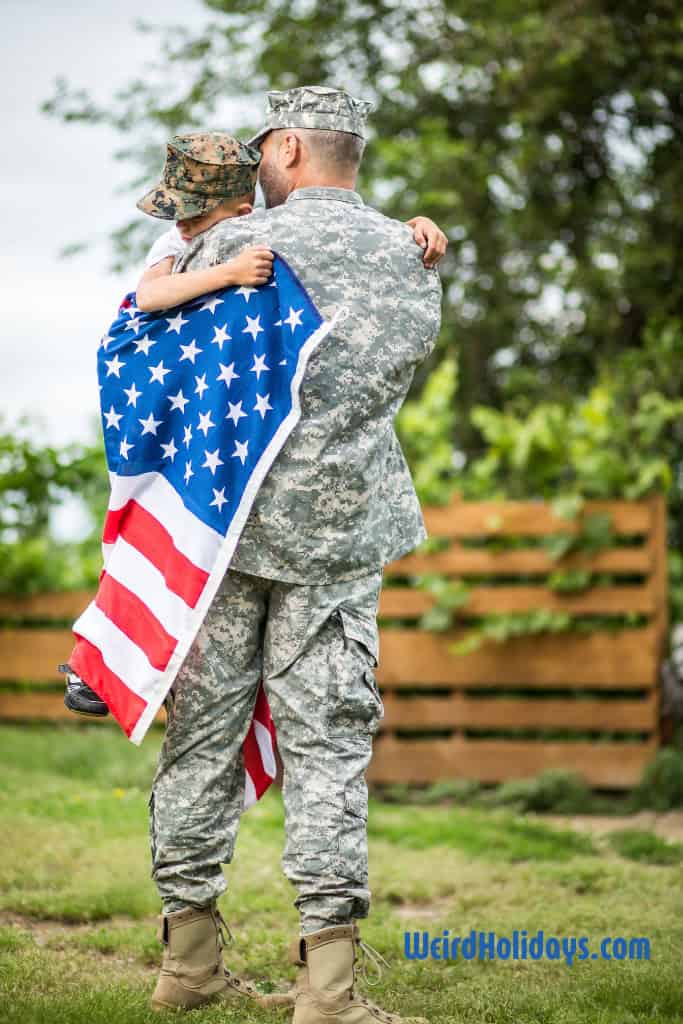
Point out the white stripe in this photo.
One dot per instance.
(219, 566)
(127, 566)
(249, 791)
(265, 745)
(106, 551)
(128, 661)
(197, 541)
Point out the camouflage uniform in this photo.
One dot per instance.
(201, 170)
(299, 600)
(315, 647)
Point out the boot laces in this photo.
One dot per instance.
(375, 958)
(223, 928)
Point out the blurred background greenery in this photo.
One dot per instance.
(546, 140)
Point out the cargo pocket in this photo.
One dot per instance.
(355, 702)
(353, 842)
(362, 629)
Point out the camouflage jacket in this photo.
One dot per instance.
(339, 500)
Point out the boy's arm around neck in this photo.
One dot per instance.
(223, 241)
(160, 289)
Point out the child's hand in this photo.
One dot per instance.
(253, 266)
(430, 237)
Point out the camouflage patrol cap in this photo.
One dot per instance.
(314, 106)
(201, 170)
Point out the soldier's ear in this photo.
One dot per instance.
(291, 149)
(243, 209)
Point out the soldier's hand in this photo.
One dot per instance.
(429, 237)
(253, 266)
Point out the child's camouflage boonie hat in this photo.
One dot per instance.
(201, 170)
(314, 106)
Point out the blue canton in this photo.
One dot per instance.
(198, 393)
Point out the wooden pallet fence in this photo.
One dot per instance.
(441, 708)
(490, 715)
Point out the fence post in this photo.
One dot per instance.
(658, 541)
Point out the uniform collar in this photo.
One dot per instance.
(338, 195)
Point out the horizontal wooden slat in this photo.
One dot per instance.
(33, 654)
(618, 765)
(459, 561)
(627, 659)
(529, 518)
(460, 711)
(404, 603)
(421, 712)
(64, 605)
(47, 707)
(409, 657)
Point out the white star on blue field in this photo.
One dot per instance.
(197, 393)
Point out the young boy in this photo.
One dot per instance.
(207, 177)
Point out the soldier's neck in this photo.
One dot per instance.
(319, 180)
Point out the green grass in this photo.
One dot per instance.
(640, 845)
(78, 912)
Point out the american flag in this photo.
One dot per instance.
(196, 403)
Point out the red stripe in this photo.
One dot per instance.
(145, 533)
(87, 662)
(253, 762)
(262, 713)
(133, 617)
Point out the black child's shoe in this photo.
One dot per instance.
(79, 697)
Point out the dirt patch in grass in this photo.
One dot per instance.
(424, 911)
(57, 937)
(665, 824)
(46, 927)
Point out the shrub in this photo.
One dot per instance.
(640, 845)
(562, 792)
(661, 787)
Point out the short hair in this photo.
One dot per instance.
(332, 148)
(248, 197)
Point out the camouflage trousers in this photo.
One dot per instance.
(315, 647)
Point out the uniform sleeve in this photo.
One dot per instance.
(433, 301)
(169, 244)
(225, 240)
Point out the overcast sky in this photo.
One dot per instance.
(57, 185)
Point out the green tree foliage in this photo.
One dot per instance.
(546, 138)
(425, 428)
(624, 439)
(34, 479)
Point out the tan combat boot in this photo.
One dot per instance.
(325, 991)
(193, 972)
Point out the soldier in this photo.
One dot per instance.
(298, 605)
(207, 177)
